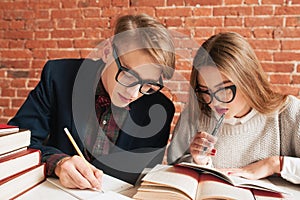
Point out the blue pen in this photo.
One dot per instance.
(215, 131)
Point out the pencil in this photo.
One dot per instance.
(76, 147)
(79, 152)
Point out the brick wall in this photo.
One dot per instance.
(32, 31)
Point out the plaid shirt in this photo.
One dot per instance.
(107, 135)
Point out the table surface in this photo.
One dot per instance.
(293, 189)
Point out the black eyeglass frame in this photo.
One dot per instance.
(140, 81)
(213, 94)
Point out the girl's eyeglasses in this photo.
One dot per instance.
(224, 95)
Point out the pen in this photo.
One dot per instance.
(215, 131)
(78, 151)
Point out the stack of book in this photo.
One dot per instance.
(20, 167)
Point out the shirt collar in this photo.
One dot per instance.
(102, 96)
(242, 120)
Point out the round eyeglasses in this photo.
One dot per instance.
(224, 95)
(129, 78)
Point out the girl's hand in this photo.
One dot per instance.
(257, 170)
(73, 172)
(200, 141)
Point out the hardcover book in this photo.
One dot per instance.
(13, 141)
(5, 129)
(19, 161)
(19, 183)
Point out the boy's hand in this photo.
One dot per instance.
(73, 172)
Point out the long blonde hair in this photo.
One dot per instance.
(235, 58)
(152, 37)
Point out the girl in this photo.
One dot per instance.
(260, 134)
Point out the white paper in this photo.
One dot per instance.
(110, 185)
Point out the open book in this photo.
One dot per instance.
(264, 184)
(172, 182)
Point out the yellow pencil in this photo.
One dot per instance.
(76, 147)
(78, 151)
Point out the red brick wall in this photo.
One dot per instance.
(33, 31)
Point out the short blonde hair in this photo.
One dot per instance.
(153, 37)
(235, 58)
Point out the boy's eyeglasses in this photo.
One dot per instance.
(129, 78)
(224, 95)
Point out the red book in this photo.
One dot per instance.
(18, 184)
(5, 129)
(19, 161)
(14, 141)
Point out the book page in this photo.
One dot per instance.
(179, 178)
(45, 190)
(234, 180)
(206, 170)
(109, 183)
(111, 196)
(150, 192)
(211, 187)
(78, 193)
(85, 194)
(263, 184)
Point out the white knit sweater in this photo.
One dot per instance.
(256, 138)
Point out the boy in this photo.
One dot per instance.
(113, 107)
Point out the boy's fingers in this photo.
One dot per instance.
(79, 180)
(88, 172)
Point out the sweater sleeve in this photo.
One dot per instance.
(291, 169)
(178, 150)
(183, 134)
(290, 140)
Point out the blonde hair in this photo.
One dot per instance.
(235, 58)
(151, 35)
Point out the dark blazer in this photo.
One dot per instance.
(48, 109)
